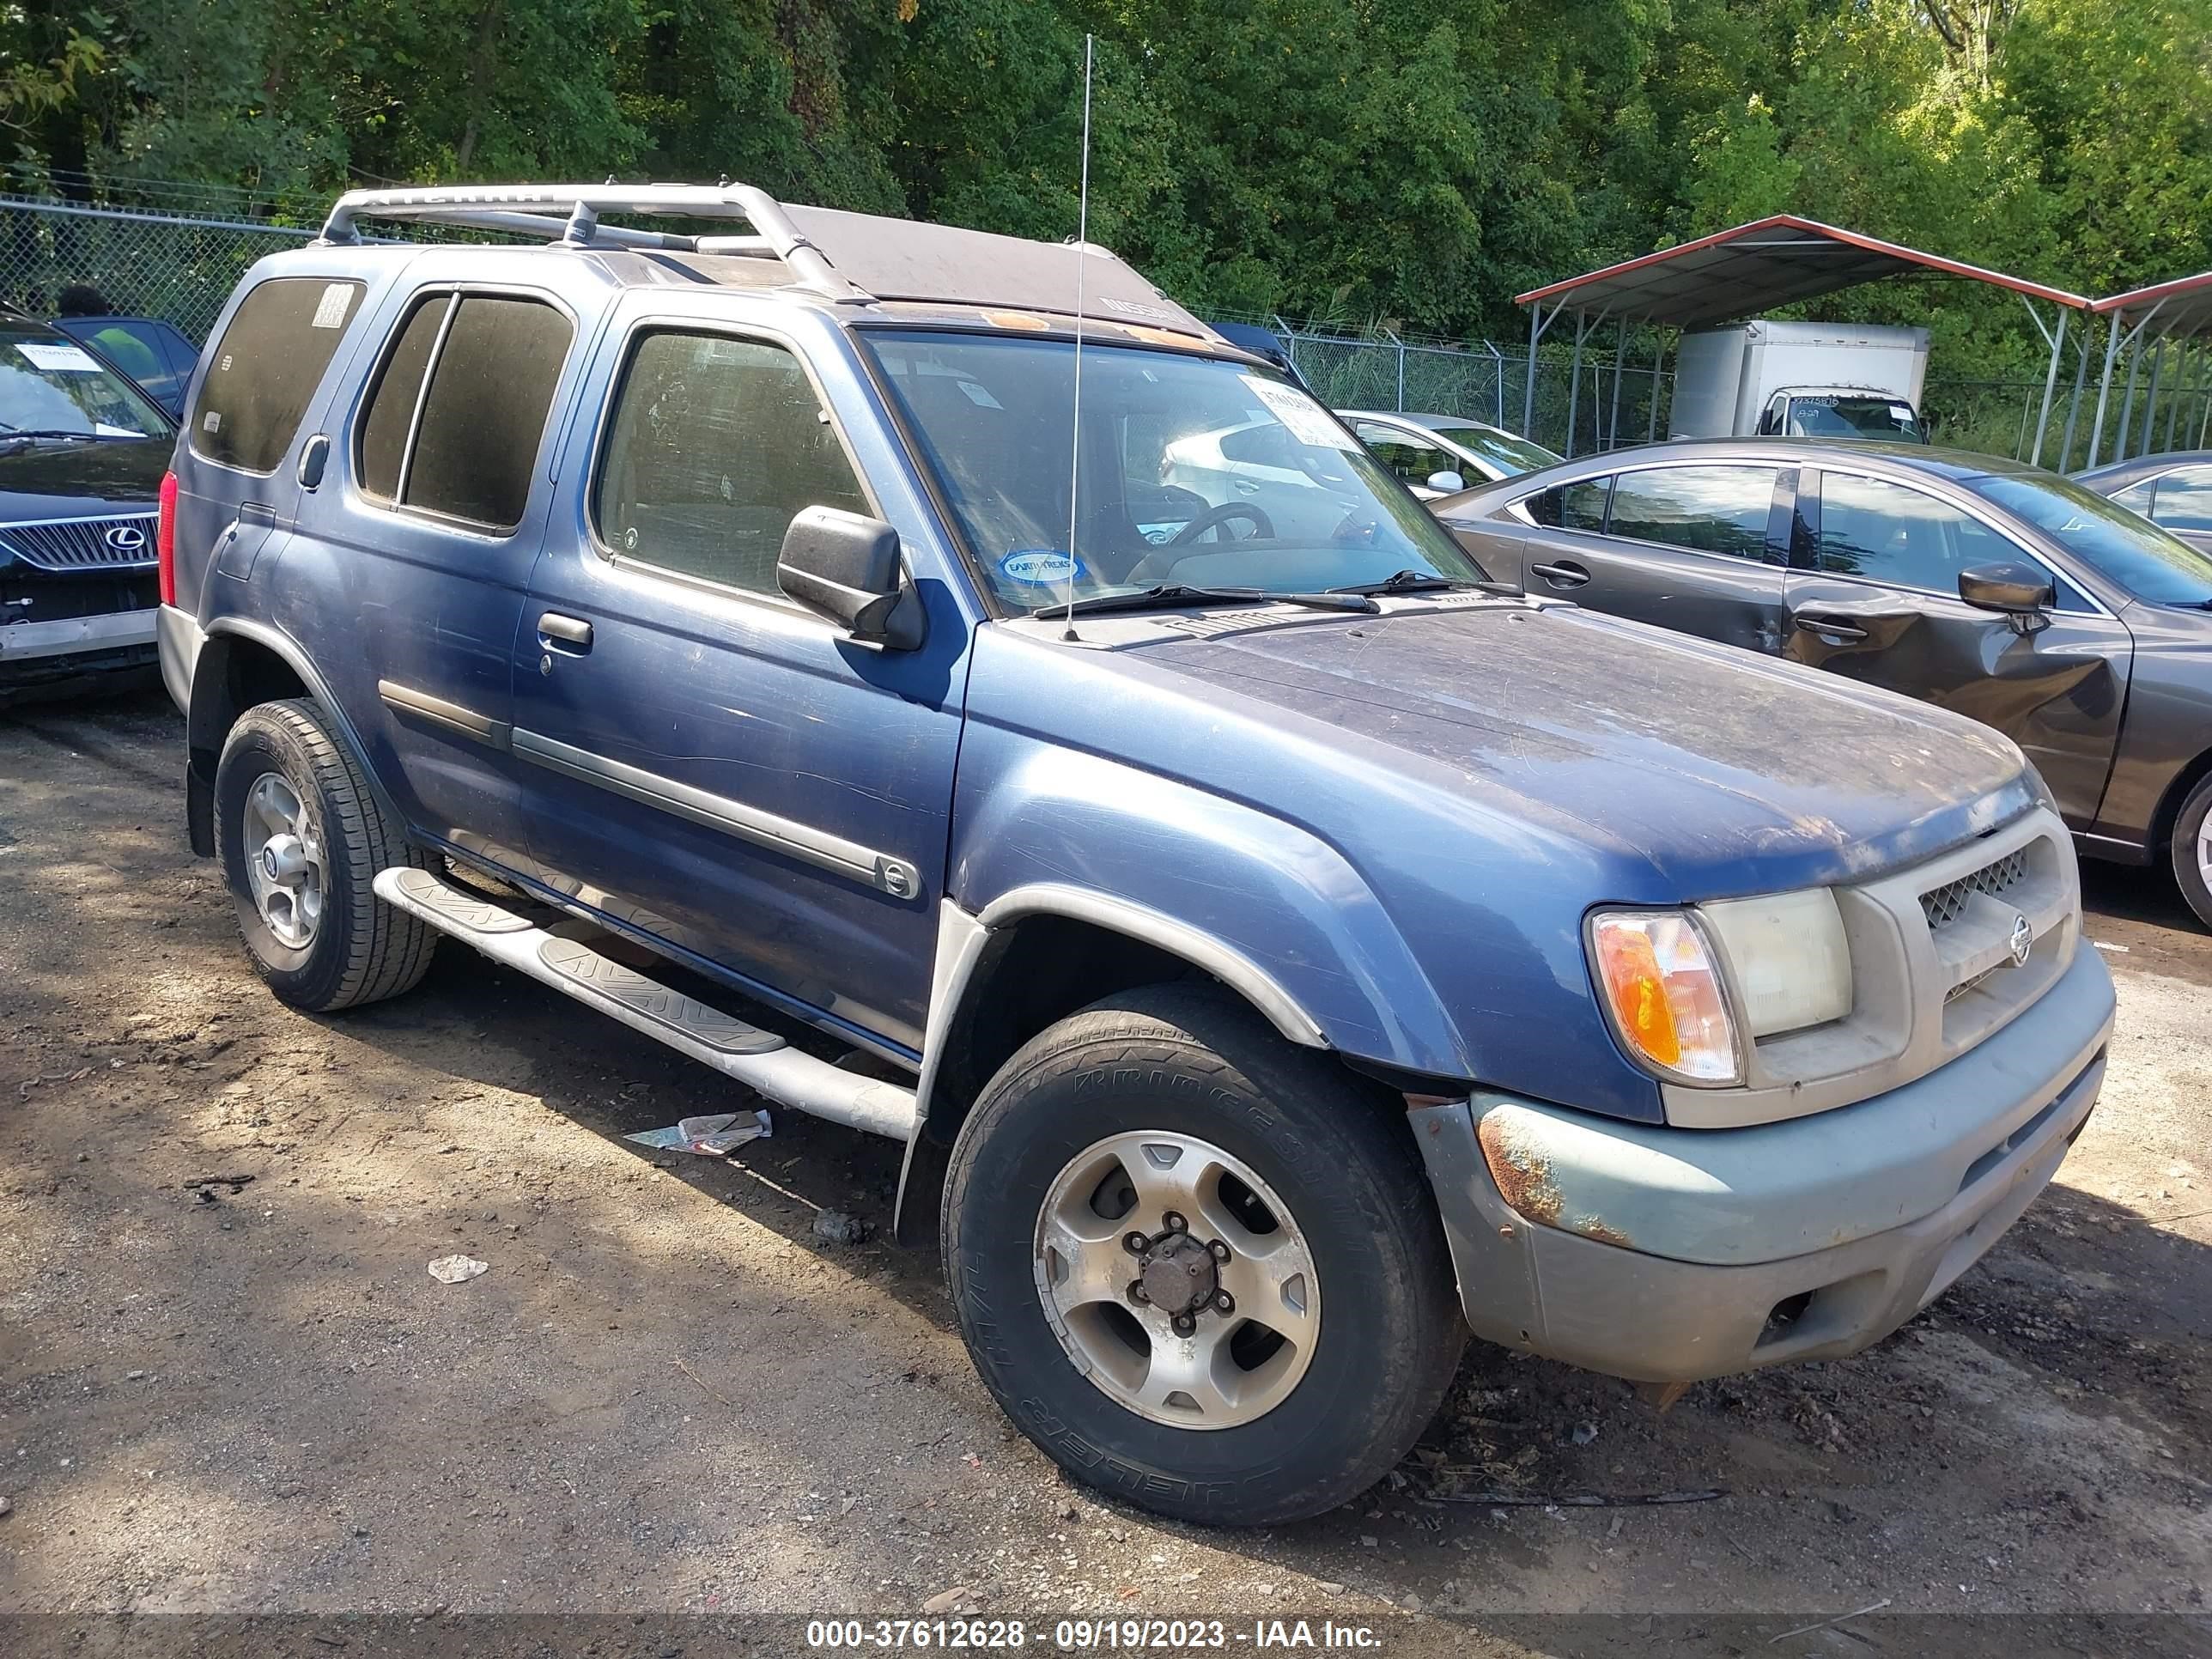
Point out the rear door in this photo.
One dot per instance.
(406, 572)
(1879, 603)
(1699, 549)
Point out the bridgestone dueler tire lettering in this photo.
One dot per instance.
(1193, 1060)
(363, 950)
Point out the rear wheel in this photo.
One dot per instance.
(1200, 1266)
(301, 837)
(2192, 850)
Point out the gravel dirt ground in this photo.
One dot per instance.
(228, 1385)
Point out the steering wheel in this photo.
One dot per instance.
(1214, 517)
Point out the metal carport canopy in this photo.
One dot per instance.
(1752, 269)
(2181, 310)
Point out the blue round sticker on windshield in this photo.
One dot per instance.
(1041, 566)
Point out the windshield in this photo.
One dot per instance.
(1194, 471)
(50, 384)
(2149, 562)
(1826, 415)
(1508, 454)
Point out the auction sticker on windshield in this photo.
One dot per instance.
(1041, 566)
(59, 359)
(1309, 423)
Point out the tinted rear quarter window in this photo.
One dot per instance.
(1571, 506)
(1708, 509)
(266, 367)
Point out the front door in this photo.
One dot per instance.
(1695, 549)
(1881, 605)
(717, 768)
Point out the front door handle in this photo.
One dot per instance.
(1245, 487)
(1833, 628)
(558, 633)
(1562, 575)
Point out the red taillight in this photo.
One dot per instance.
(165, 538)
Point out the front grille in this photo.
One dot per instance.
(83, 544)
(1944, 905)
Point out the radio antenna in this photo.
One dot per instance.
(1075, 423)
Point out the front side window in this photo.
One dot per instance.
(2153, 564)
(1197, 471)
(1892, 533)
(715, 446)
(263, 371)
(466, 446)
(1410, 460)
(1707, 509)
(1503, 452)
(51, 387)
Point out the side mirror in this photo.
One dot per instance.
(846, 567)
(1447, 482)
(2021, 593)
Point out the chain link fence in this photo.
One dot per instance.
(145, 263)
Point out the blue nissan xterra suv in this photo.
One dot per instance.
(1296, 948)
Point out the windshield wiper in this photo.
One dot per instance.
(1180, 593)
(13, 434)
(1425, 581)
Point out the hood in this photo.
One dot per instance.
(81, 480)
(1720, 771)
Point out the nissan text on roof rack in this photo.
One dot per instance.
(1295, 948)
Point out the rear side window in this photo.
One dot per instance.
(1571, 506)
(715, 444)
(265, 369)
(494, 362)
(2184, 500)
(1707, 509)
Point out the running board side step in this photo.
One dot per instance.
(760, 1060)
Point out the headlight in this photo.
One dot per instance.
(1687, 991)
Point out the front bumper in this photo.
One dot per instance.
(1674, 1254)
(75, 635)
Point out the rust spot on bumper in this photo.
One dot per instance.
(1526, 1182)
(1522, 1173)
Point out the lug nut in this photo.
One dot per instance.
(1135, 1244)
(1173, 1223)
(1219, 1250)
(1224, 1302)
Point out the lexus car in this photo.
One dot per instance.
(81, 454)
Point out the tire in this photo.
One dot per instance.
(2192, 850)
(1194, 1063)
(348, 947)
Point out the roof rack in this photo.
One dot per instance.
(570, 215)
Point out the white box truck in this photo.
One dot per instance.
(1801, 381)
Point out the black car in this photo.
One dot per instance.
(155, 355)
(2173, 491)
(2024, 599)
(81, 454)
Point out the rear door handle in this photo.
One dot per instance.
(1834, 628)
(1562, 575)
(558, 633)
(1246, 487)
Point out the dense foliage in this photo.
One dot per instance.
(1416, 161)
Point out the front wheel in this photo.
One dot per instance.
(1197, 1265)
(2192, 850)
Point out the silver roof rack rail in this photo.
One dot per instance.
(570, 215)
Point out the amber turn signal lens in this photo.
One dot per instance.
(1664, 994)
